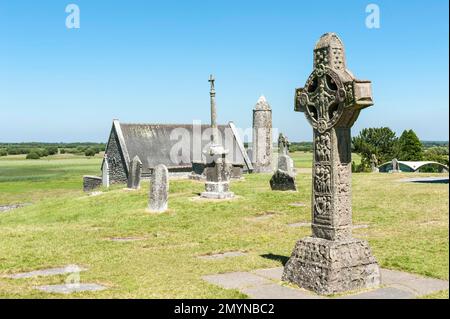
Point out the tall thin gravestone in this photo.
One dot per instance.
(105, 172)
(218, 170)
(159, 189)
(331, 260)
(134, 176)
(262, 137)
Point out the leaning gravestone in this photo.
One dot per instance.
(331, 260)
(159, 189)
(134, 177)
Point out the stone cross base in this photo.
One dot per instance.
(329, 267)
(217, 190)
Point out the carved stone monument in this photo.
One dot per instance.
(262, 137)
(134, 177)
(331, 260)
(159, 189)
(218, 170)
(283, 145)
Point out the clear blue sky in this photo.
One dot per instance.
(149, 61)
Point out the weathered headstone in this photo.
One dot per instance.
(283, 145)
(105, 172)
(262, 137)
(218, 170)
(374, 163)
(159, 189)
(395, 166)
(331, 260)
(134, 176)
(284, 177)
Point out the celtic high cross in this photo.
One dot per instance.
(332, 260)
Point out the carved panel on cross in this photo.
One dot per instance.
(323, 210)
(322, 179)
(323, 147)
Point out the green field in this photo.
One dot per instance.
(408, 229)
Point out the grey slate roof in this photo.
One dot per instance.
(154, 143)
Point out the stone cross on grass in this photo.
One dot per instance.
(332, 260)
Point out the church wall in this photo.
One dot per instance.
(117, 167)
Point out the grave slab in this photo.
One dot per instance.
(49, 272)
(223, 255)
(267, 284)
(70, 288)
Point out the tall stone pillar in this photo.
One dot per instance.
(331, 260)
(218, 170)
(262, 147)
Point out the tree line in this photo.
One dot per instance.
(37, 150)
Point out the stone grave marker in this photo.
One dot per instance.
(134, 177)
(159, 189)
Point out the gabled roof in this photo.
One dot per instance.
(175, 145)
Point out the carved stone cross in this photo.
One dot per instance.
(332, 260)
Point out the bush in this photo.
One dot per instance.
(62, 151)
(33, 155)
(3, 152)
(52, 150)
(90, 152)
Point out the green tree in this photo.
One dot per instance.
(379, 141)
(409, 147)
(89, 151)
(52, 150)
(3, 152)
(33, 155)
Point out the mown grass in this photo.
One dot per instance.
(408, 229)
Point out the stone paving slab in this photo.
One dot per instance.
(266, 283)
(49, 272)
(276, 291)
(8, 208)
(262, 217)
(297, 204)
(381, 293)
(237, 280)
(223, 255)
(70, 288)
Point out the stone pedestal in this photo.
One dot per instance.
(332, 261)
(218, 173)
(329, 267)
